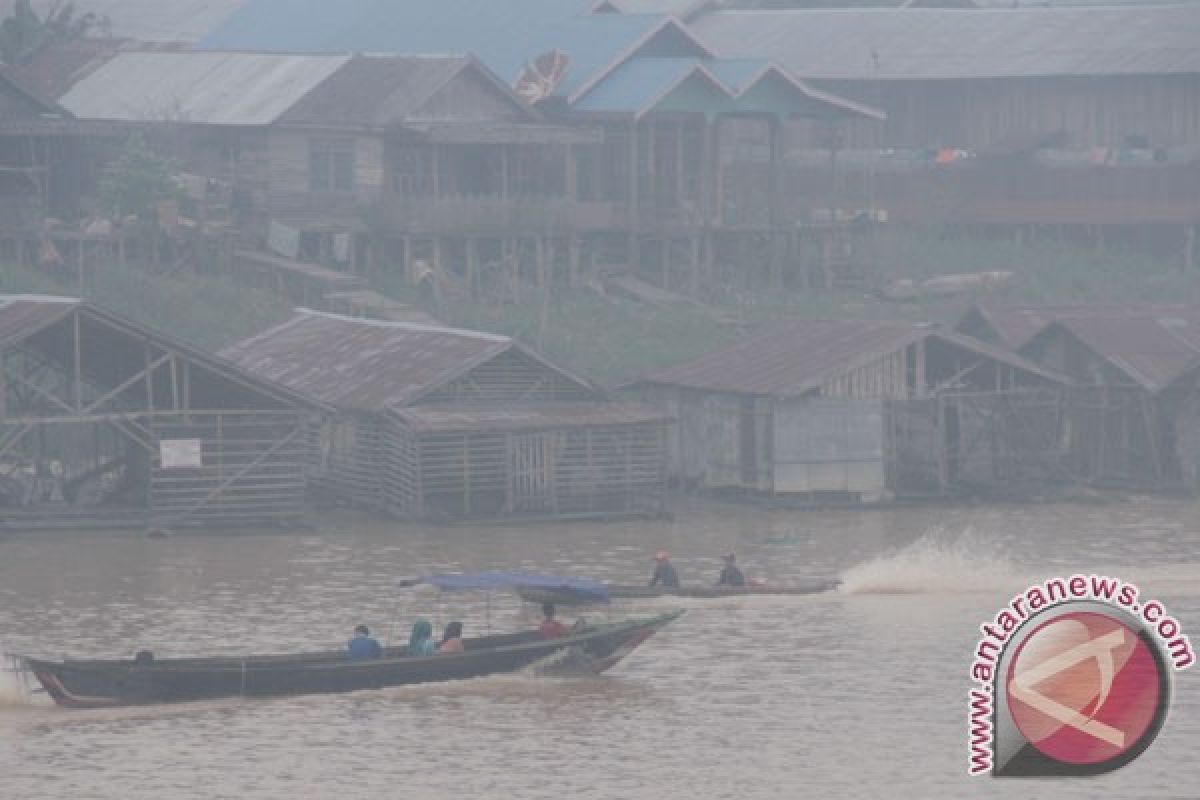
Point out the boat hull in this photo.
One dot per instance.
(98, 684)
(567, 597)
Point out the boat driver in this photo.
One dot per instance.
(664, 572)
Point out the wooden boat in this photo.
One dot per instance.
(566, 596)
(104, 683)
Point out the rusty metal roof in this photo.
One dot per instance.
(937, 44)
(1015, 326)
(379, 91)
(449, 419)
(796, 357)
(1153, 349)
(368, 365)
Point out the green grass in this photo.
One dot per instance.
(612, 339)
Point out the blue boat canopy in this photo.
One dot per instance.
(582, 587)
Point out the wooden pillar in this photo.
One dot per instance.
(571, 178)
(774, 200)
(718, 174)
(573, 246)
(634, 181)
(437, 170)
(149, 377)
(77, 380)
(472, 258)
(504, 171)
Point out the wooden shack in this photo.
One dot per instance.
(106, 423)
(860, 409)
(678, 181)
(440, 423)
(1132, 410)
(1071, 116)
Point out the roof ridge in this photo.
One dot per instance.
(408, 326)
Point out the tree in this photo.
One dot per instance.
(24, 33)
(136, 181)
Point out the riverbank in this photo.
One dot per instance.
(610, 336)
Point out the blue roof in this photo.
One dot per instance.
(737, 73)
(637, 85)
(583, 587)
(503, 34)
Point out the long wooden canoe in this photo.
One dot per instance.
(104, 683)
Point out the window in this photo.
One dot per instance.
(331, 166)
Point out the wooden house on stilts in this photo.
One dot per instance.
(440, 423)
(860, 410)
(104, 423)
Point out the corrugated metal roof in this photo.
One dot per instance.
(931, 44)
(179, 21)
(640, 84)
(447, 419)
(1017, 325)
(796, 357)
(365, 365)
(208, 88)
(678, 8)
(637, 85)
(503, 35)
(376, 91)
(1152, 349)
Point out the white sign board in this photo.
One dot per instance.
(180, 453)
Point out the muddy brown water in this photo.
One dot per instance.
(851, 694)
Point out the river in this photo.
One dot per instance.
(856, 693)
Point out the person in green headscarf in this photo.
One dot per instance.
(420, 642)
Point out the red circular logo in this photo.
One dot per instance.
(1084, 688)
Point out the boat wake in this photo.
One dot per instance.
(936, 564)
(14, 690)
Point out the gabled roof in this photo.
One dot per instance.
(932, 44)
(378, 91)
(1151, 349)
(23, 316)
(503, 35)
(370, 365)
(205, 88)
(1014, 326)
(22, 101)
(793, 358)
(639, 85)
(713, 85)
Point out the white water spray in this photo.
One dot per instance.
(14, 690)
(935, 564)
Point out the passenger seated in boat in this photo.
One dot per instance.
(363, 646)
(452, 639)
(664, 572)
(730, 574)
(420, 641)
(550, 627)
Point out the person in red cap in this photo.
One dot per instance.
(664, 573)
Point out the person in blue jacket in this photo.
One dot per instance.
(363, 645)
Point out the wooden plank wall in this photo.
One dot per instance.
(254, 468)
